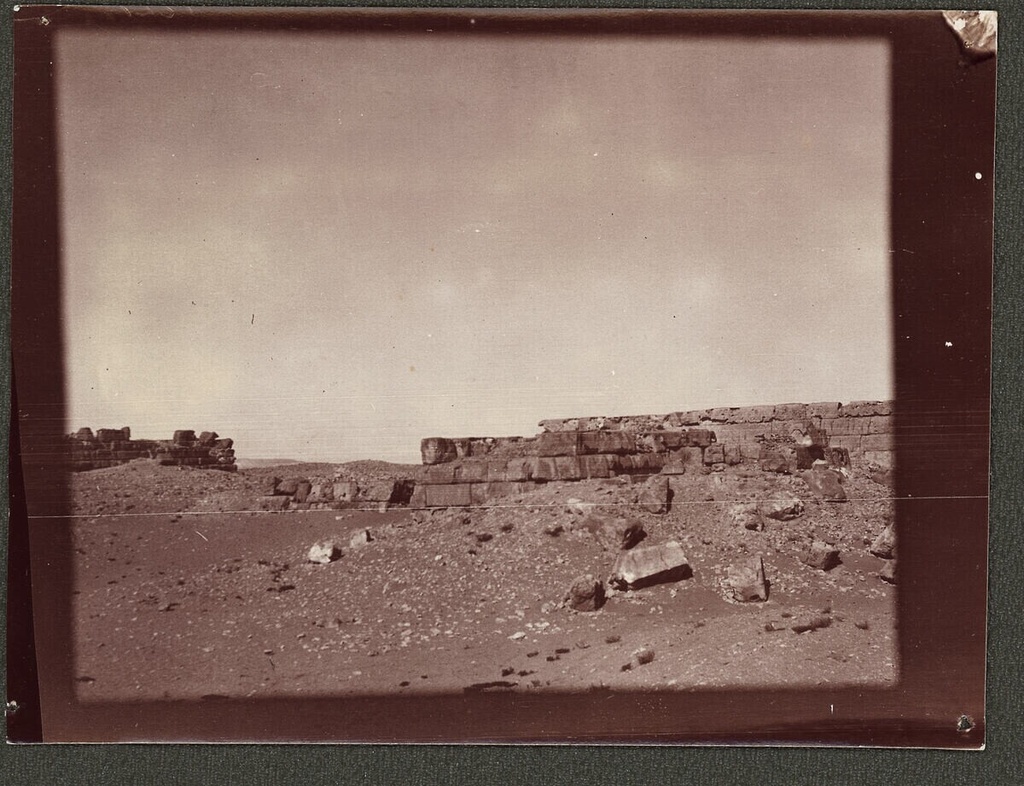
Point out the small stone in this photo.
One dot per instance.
(746, 516)
(360, 538)
(810, 622)
(821, 556)
(643, 656)
(782, 507)
(517, 635)
(324, 552)
(586, 594)
(884, 545)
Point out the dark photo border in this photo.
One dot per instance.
(943, 134)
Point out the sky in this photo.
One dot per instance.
(328, 246)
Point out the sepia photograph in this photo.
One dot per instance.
(477, 375)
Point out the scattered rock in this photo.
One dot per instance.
(746, 515)
(825, 484)
(612, 532)
(324, 552)
(554, 530)
(820, 555)
(360, 538)
(645, 566)
(642, 656)
(782, 507)
(888, 572)
(810, 622)
(655, 494)
(884, 545)
(612, 639)
(746, 583)
(586, 594)
(578, 506)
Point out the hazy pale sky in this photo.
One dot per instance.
(328, 246)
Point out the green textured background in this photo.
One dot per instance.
(1000, 763)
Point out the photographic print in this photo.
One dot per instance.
(426, 376)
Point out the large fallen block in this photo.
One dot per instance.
(649, 565)
(613, 533)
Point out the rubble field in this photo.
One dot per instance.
(184, 588)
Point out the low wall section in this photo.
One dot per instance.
(109, 447)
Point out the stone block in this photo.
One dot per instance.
(450, 496)
(775, 460)
(558, 443)
(519, 469)
(878, 442)
(612, 533)
(440, 473)
(692, 417)
(437, 450)
(471, 471)
(758, 414)
(596, 466)
(594, 442)
(721, 414)
(714, 454)
(418, 498)
(377, 491)
(880, 424)
(825, 484)
(344, 490)
(786, 412)
(655, 494)
(823, 409)
(699, 437)
(302, 490)
(821, 556)
(181, 437)
(733, 455)
(568, 468)
(746, 583)
(866, 408)
(543, 469)
(850, 443)
(648, 565)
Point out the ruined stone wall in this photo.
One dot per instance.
(110, 447)
(780, 438)
(864, 428)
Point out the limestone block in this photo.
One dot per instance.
(543, 469)
(568, 468)
(437, 450)
(558, 443)
(450, 496)
(714, 454)
(596, 466)
(645, 566)
(470, 471)
(594, 442)
(878, 442)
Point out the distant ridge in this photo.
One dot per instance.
(256, 463)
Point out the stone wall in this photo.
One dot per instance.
(110, 447)
(776, 438)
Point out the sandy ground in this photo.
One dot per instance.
(183, 590)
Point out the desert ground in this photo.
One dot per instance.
(185, 589)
